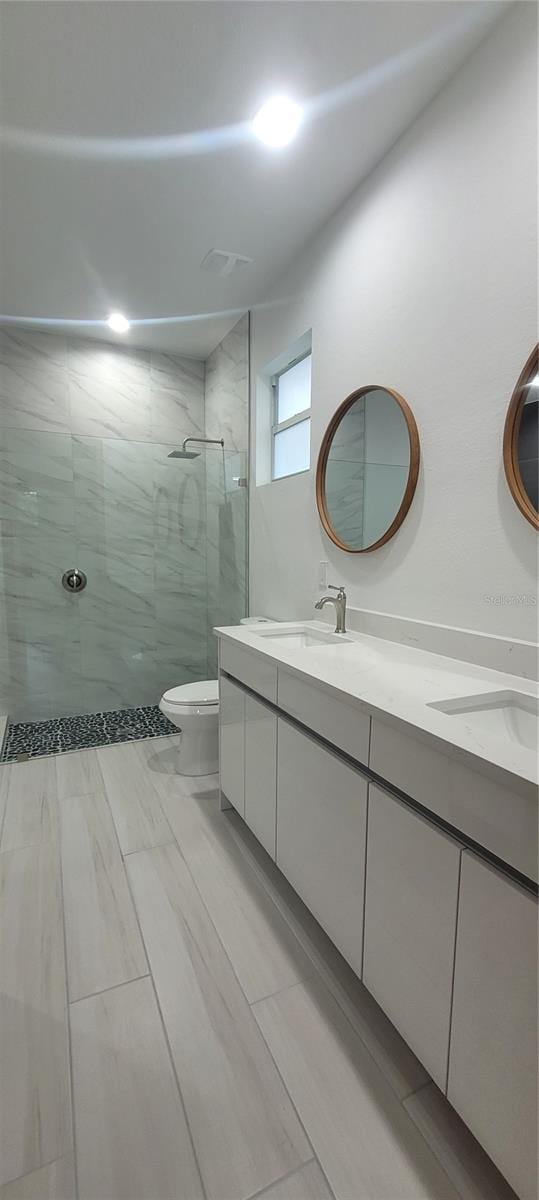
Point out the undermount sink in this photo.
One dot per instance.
(510, 715)
(301, 636)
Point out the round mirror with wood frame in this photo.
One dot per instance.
(367, 469)
(520, 440)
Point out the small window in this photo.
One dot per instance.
(291, 422)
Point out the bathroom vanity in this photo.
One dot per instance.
(396, 790)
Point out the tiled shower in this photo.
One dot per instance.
(86, 482)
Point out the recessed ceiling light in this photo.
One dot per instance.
(118, 323)
(278, 121)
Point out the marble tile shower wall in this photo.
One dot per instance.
(69, 385)
(85, 481)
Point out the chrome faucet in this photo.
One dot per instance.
(340, 606)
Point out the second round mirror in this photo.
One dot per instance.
(521, 441)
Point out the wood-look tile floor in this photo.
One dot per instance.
(175, 1025)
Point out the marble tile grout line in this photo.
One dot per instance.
(251, 1005)
(408, 1096)
(225, 952)
(300, 983)
(43, 1167)
(111, 988)
(318, 975)
(154, 989)
(68, 1020)
(285, 988)
(283, 909)
(163, 1023)
(283, 1179)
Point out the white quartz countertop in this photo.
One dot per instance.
(397, 683)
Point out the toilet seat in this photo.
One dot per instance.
(199, 695)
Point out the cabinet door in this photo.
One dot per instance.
(260, 772)
(410, 926)
(231, 742)
(493, 1056)
(321, 822)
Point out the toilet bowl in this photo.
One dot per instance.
(194, 709)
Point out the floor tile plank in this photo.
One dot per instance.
(468, 1166)
(36, 1121)
(136, 809)
(29, 791)
(365, 1141)
(53, 1182)
(103, 942)
(397, 1062)
(264, 952)
(78, 773)
(131, 1135)
(244, 1128)
(306, 1184)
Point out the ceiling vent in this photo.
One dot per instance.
(224, 262)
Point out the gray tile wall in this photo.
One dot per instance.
(227, 388)
(85, 430)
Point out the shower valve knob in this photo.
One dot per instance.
(74, 580)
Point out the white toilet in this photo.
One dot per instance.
(194, 709)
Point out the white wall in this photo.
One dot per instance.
(425, 282)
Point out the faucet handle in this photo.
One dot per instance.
(334, 588)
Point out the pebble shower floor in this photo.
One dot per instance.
(38, 738)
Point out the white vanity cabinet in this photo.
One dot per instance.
(410, 925)
(260, 771)
(251, 669)
(321, 828)
(232, 743)
(380, 831)
(493, 1054)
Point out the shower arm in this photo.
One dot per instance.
(206, 441)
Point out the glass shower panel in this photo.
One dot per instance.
(163, 543)
(180, 569)
(141, 523)
(40, 625)
(113, 497)
(227, 540)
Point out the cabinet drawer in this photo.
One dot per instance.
(261, 771)
(412, 765)
(231, 742)
(410, 926)
(503, 821)
(250, 668)
(493, 1055)
(321, 823)
(345, 726)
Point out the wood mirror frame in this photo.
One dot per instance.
(510, 440)
(413, 470)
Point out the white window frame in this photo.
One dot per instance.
(278, 426)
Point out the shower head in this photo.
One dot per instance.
(183, 453)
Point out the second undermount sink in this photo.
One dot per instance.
(296, 637)
(509, 715)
